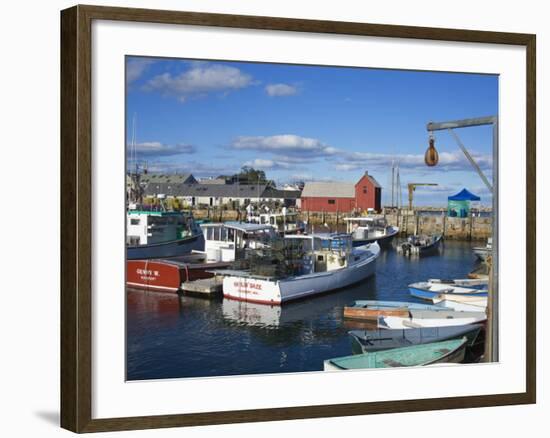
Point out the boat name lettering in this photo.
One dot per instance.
(147, 272)
(241, 284)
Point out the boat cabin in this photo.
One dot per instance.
(228, 241)
(153, 227)
(282, 223)
(323, 252)
(364, 227)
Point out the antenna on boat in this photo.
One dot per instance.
(133, 155)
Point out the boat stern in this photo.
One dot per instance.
(252, 290)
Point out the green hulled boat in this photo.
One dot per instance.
(417, 355)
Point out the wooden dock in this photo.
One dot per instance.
(206, 287)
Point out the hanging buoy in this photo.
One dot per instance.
(431, 158)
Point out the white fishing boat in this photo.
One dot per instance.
(228, 241)
(303, 266)
(284, 222)
(160, 234)
(431, 318)
(369, 229)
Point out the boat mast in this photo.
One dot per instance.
(392, 182)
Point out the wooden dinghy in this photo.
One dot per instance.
(365, 341)
(372, 309)
(430, 318)
(451, 351)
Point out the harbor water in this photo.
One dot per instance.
(171, 336)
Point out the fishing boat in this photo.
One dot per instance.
(229, 241)
(366, 341)
(285, 222)
(420, 245)
(302, 266)
(160, 234)
(167, 275)
(369, 229)
(224, 243)
(482, 252)
(431, 318)
(152, 231)
(372, 309)
(427, 290)
(451, 351)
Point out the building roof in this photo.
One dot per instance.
(328, 190)
(211, 190)
(213, 181)
(371, 179)
(271, 192)
(168, 178)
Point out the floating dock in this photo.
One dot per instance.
(207, 287)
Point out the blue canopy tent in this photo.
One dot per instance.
(459, 204)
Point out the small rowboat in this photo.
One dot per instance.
(430, 318)
(451, 351)
(476, 306)
(427, 290)
(467, 282)
(366, 341)
(372, 309)
(448, 299)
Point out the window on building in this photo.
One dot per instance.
(364, 189)
(332, 201)
(134, 221)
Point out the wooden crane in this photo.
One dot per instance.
(412, 187)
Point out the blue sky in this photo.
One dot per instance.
(308, 122)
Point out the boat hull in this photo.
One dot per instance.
(450, 351)
(419, 320)
(266, 291)
(168, 249)
(407, 249)
(364, 341)
(384, 241)
(159, 275)
(372, 309)
(430, 295)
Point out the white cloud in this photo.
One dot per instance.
(260, 163)
(448, 161)
(135, 68)
(287, 144)
(157, 149)
(201, 79)
(280, 90)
